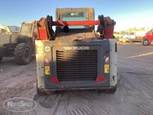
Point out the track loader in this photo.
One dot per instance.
(75, 56)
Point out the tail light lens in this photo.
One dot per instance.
(106, 64)
(107, 60)
(46, 61)
(46, 66)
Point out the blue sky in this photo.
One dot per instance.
(126, 13)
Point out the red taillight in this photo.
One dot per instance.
(106, 64)
(46, 61)
(107, 60)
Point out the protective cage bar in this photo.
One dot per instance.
(76, 23)
(45, 31)
(41, 22)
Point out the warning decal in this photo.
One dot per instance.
(106, 68)
(47, 70)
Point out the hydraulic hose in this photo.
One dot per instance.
(48, 25)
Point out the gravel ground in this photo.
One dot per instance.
(134, 95)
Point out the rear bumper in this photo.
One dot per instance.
(89, 88)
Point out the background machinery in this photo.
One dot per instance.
(75, 56)
(20, 44)
(8, 37)
(148, 38)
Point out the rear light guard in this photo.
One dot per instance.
(106, 64)
(46, 66)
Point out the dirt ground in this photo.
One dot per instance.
(134, 95)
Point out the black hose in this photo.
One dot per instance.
(48, 25)
(101, 27)
(102, 21)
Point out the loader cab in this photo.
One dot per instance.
(75, 14)
(28, 34)
(27, 29)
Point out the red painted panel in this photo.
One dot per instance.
(100, 78)
(42, 34)
(75, 23)
(54, 79)
(109, 28)
(108, 32)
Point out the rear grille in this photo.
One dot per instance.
(76, 65)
